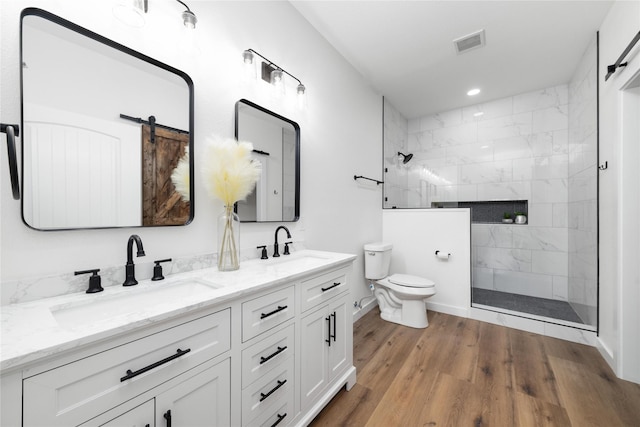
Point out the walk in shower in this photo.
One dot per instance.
(531, 153)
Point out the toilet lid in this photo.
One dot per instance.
(411, 281)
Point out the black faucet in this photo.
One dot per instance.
(276, 253)
(130, 268)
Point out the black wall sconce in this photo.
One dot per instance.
(131, 13)
(271, 72)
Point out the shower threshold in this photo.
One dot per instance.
(547, 310)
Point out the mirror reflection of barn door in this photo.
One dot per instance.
(161, 203)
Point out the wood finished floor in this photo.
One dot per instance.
(461, 372)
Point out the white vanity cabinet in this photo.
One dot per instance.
(268, 359)
(78, 391)
(199, 398)
(270, 352)
(326, 335)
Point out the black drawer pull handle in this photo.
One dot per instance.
(328, 340)
(334, 327)
(131, 374)
(280, 418)
(274, 354)
(167, 416)
(331, 287)
(263, 396)
(277, 310)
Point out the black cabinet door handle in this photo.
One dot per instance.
(131, 374)
(331, 287)
(328, 340)
(280, 418)
(272, 355)
(167, 416)
(263, 396)
(271, 313)
(333, 315)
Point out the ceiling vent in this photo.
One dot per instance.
(469, 42)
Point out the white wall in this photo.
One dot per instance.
(620, 26)
(340, 134)
(416, 234)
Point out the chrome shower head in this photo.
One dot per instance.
(405, 157)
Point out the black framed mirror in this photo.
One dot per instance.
(276, 144)
(104, 129)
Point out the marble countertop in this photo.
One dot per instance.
(35, 330)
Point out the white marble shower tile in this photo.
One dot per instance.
(469, 153)
(441, 120)
(504, 259)
(468, 193)
(482, 278)
(540, 238)
(560, 215)
(420, 141)
(540, 214)
(560, 141)
(523, 283)
(490, 235)
(552, 167)
(547, 262)
(523, 169)
(455, 135)
(490, 110)
(505, 127)
(520, 190)
(550, 97)
(480, 173)
(550, 119)
(549, 190)
(560, 288)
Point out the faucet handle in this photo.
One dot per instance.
(157, 269)
(95, 282)
(264, 251)
(286, 248)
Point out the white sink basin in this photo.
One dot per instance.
(107, 307)
(296, 260)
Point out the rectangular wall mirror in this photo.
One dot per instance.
(104, 127)
(276, 144)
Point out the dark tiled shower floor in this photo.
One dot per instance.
(533, 305)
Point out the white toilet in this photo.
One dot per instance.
(401, 297)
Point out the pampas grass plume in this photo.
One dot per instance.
(180, 176)
(229, 172)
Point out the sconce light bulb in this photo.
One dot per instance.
(301, 89)
(247, 55)
(276, 77)
(189, 19)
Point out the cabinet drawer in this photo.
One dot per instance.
(268, 354)
(78, 391)
(322, 288)
(261, 397)
(280, 414)
(267, 311)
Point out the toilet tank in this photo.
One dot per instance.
(377, 257)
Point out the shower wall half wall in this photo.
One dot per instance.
(519, 148)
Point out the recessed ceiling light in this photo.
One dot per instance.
(473, 92)
(478, 114)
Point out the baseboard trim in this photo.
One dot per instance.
(448, 309)
(359, 312)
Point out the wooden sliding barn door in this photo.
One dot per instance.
(161, 203)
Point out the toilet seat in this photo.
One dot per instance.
(411, 281)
